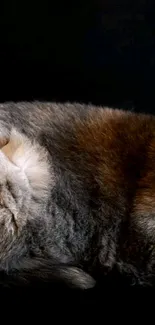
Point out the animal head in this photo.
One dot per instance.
(24, 183)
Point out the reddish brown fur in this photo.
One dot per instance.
(120, 147)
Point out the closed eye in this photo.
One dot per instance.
(5, 202)
(10, 189)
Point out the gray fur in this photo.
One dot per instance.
(46, 224)
(50, 206)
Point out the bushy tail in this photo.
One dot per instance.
(42, 272)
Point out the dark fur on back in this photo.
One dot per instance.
(97, 212)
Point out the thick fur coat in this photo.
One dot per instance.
(77, 193)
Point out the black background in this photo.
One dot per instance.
(99, 51)
(96, 51)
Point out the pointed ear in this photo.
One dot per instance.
(31, 158)
(13, 146)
